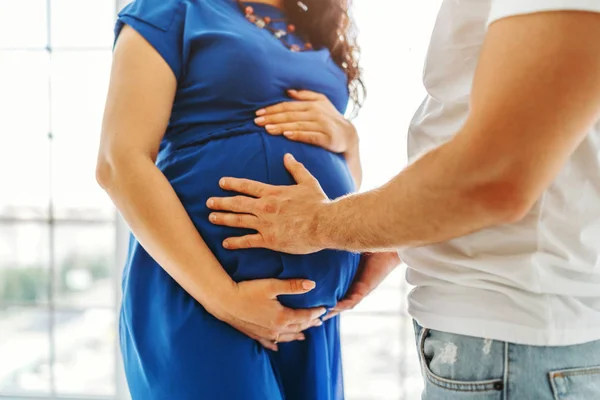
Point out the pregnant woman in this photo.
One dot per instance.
(206, 88)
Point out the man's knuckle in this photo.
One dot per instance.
(269, 238)
(269, 207)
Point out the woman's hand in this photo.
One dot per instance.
(310, 119)
(252, 308)
(373, 269)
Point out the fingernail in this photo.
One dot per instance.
(269, 128)
(222, 182)
(226, 244)
(259, 120)
(288, 134)
(308, 285)
(212, 217)
(319, 323)
(301, 338)
(262, 111)
(210, 202)
(291, 91)
(323, 312)
(290, 157)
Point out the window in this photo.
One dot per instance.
(57, 228)
(61, 247)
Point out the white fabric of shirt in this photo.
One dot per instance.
(535, 282)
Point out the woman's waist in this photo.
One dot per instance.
(180, 137)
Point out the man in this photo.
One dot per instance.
(497, 217)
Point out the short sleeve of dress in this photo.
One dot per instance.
(161, 23)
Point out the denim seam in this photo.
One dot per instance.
(552, 376)
(554, 388)
(506, 371)
(448, 384)
(577, 372)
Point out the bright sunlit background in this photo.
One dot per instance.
(62, 245)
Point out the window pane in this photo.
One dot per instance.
(371, 353)
(85, 265)
(25, 347)
(24, 255)
(85, 352)
(82, 23)
(23, 23)
(80, 82)
(24, 176)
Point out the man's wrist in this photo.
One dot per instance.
(320, 234)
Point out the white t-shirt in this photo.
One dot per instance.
(535, 282)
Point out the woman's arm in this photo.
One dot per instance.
(138, 108)
(352, 155)
(312, 119)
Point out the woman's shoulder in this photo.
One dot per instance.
(159, 13)
(162, 13)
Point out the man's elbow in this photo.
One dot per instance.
(504, 203)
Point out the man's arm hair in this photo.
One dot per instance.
(535, 96)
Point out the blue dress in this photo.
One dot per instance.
(226, 69)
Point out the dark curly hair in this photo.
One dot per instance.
(329, 23)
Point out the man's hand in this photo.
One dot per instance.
(283, 216)
(373, 269)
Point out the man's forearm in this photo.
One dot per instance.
(435, 199)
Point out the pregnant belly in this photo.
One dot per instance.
(194, 173)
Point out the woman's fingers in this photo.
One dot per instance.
(268, 344)
(290, 337)
(304, 326)
(314, 138)
(279, 287)
(306, 95)
(284, 107)
(261, 335)
(302, 316)
(296, 126)
(288, 116)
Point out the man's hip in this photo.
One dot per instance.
(458, 367)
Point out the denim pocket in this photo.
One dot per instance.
(490, 387)
(576, 383)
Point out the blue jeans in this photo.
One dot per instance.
(457, 367)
